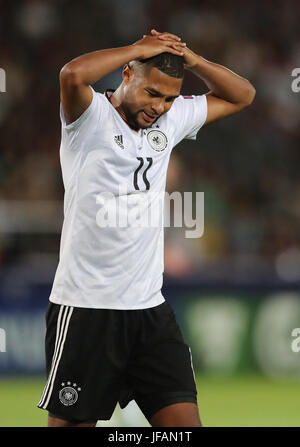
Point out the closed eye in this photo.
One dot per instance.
(153, 95)
(158, 95)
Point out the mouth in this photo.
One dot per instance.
(148, 118)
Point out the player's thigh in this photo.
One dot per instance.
(184, 414)
(162, 374)
(58, 422)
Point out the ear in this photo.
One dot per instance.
(127, 73)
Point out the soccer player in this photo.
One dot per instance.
(111, 336)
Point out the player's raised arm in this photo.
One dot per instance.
(229, 92)
(79, 73)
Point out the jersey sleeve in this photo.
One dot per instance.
(189, 114)
(75, 133)
(93, 113)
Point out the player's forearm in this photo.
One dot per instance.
(89, 68)
(223, 82)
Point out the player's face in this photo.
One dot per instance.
(148, 95)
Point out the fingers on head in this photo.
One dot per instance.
(176, 51)
(168, 36)
(165, 35)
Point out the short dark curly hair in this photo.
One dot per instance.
(168, 63)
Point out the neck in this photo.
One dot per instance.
(116, 100)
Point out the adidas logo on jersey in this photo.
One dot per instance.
(119, 141)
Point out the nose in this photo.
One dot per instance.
(158, 106)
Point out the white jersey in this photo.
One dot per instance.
(115, 267)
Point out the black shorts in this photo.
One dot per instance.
(96, 358)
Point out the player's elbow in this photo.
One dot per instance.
(70, 75)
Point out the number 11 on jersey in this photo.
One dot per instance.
(144, 176)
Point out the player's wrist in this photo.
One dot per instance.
(191, 60)
(139, 50)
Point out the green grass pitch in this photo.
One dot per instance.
(244, 401)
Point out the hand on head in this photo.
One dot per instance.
(157, 43)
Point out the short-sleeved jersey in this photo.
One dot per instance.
(105, 165)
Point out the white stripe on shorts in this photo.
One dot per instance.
(192, 365)
(63, 321)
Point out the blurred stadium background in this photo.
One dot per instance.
(236, 290)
